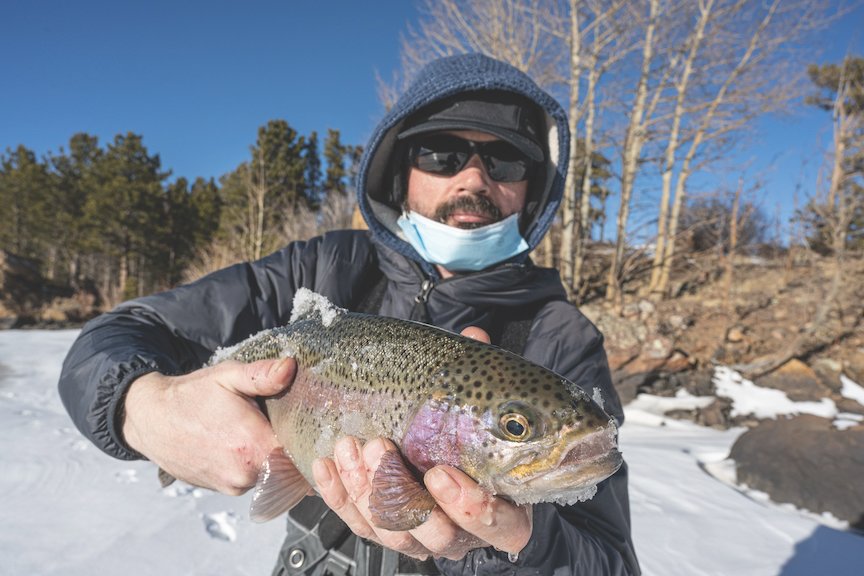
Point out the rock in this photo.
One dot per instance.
(807, 462)
(849, 405)
(797, 380)
(735, 334)
(854, 367)
(828, 371)
(646, 309)
(715, 415)
(676, 323)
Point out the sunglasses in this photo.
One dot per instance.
(447, 155)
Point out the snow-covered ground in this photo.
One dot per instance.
(66, 508)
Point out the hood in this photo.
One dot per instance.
(380, 172)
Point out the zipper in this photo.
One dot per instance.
(425, 288)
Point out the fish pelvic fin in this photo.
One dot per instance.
(279, 488)
(166, 479)
(398, 501)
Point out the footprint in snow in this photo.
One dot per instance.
(221, 525)
(126, 476)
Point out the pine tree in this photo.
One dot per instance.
(26, 195)
(125, 218)
(334, 156)
(314, 194)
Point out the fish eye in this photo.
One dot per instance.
(515, 427)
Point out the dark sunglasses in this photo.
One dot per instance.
(447, 155)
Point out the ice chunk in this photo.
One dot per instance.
(307, 302)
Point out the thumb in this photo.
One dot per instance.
(476, 333)
(261, 378)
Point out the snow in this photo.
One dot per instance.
(851, 390)
(69, 509)
(750, 399)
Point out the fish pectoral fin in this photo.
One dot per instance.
(279, 488)
(398, 501)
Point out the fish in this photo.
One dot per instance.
(521, 431)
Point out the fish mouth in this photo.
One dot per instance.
(582, 461)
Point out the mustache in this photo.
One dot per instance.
(480, 205)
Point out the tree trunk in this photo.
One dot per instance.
(570, 232)
(681, 87)
(698, 138)
(630, 157)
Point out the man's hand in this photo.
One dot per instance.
(465, 518)
(205, 427)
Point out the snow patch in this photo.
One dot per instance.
(851, 390)
(762, 402)
(660, 405)
(846, 420)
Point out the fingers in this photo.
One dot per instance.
(466, 517)
(262, 378)
(345, 486)
(334, 494)
(495, 521)
(476, 333)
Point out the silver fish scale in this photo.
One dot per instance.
(372, 351)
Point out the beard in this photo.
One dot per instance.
(480, 205)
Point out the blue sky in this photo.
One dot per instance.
(198, 78)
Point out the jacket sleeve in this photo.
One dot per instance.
(589, 538)
(175, 332)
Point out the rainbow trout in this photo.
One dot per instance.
(521, 431)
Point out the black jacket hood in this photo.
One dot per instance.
(443, 78)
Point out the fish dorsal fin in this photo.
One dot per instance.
(308, 304)
(280, 487)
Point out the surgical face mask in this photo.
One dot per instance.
(457, 249)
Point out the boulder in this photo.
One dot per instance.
(797, 380)
(807, 462)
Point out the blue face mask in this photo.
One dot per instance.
(457, 249)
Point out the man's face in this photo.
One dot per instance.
(467, 199)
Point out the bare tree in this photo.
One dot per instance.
(741, 74)
(634, 140)
(597, 42)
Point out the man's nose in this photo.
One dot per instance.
(473, 175)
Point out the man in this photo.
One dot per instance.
(461, 179)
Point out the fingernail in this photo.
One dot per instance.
(442, 486)
(279, 370)
(321, 473)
